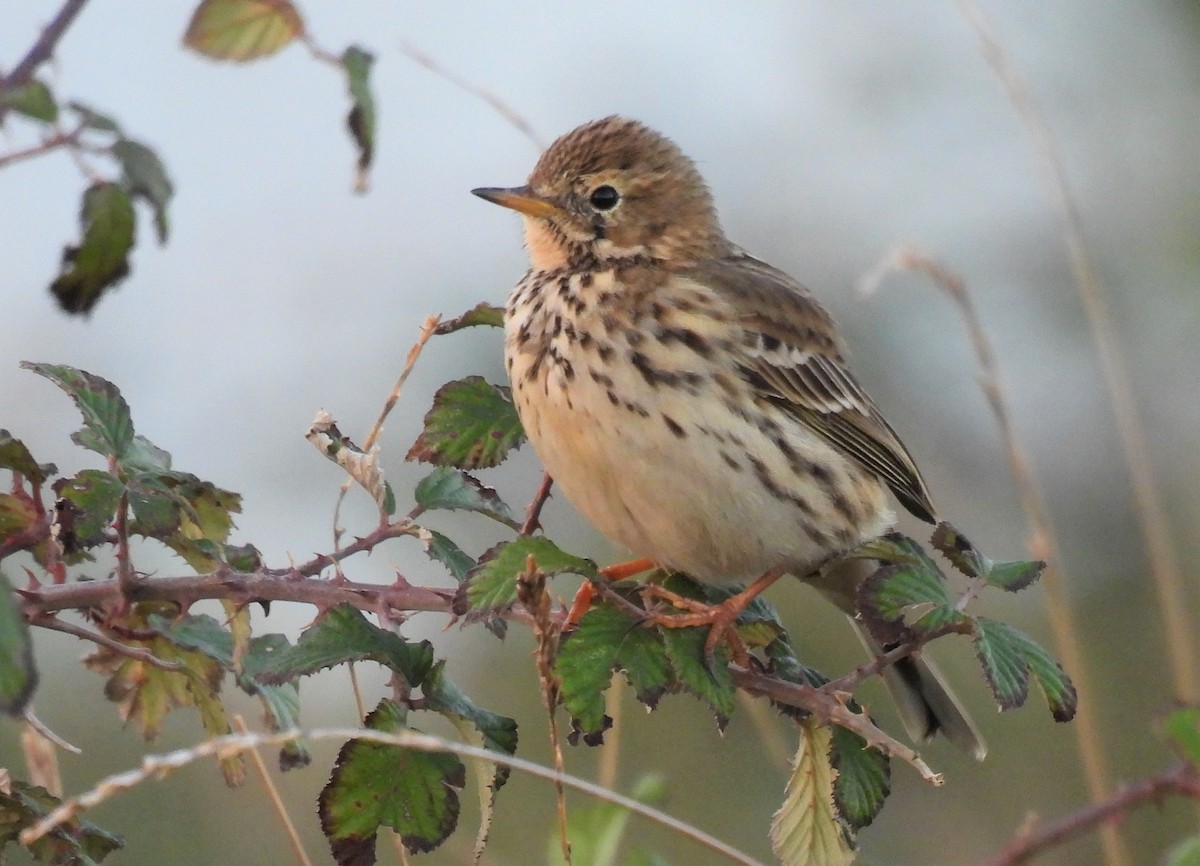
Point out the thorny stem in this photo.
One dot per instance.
(1181, 780)
(533, 514)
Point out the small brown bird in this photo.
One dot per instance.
(692, 401)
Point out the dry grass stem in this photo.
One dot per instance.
(276, 801)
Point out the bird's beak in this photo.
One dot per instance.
(521, 199)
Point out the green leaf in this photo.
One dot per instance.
(454, 490)
(907, 596)
(345, 635)
(74, 843)
(685, 649)
(362, 117)
(479, 727)
(585, 663)
(443, 550)
(961, 553)
(102, 258)
(15, 457)
(806, 831)
(92, 119)
(1182, 727)
(18, 676)
(34, 100)
(204, 634)
(86, 507)
(1015, 576)
(596, 832)
(242, 30)
(492, 584)
(864, 778)
(1185, 853)
(472, 425)
(145, 177)
(17, 515)
(375, 785)
(1008, 657)
(107, 424)
(157, 511)
(482, 313)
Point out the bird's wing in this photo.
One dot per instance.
(790, 355)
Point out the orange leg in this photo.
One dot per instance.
(587, 592)
(719, 617)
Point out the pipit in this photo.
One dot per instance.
(692, 401)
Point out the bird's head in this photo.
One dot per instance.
(614, 189)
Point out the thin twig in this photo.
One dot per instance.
(502, 108)
(289, 827)
(229, 745)
(533, 514)
(42, 49)
(38, 725)
(428, 328)
(137, 653)
(53, 142)
(359, 706)
(1043, 540)
(1181, 780)
(1180, 636)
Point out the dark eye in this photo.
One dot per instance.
(604, 197)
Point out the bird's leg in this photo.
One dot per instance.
(719, 617)
(587, 592)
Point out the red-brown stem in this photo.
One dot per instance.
(1181, 780)
(42, 49)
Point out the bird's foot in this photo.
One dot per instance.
(587, 592)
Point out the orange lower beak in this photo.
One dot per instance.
(521, 199)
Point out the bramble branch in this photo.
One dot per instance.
(1180, 780)
(42, 49)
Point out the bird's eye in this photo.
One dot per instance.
(604, 198)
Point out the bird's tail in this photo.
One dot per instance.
(927, 705)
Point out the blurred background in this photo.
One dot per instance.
(828, 132)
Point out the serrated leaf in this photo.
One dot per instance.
(961, 553)
(35, 100)
(492, 584)
(281, 701)
(145, 177)
(1182, 727)
(1009, 657)
(362, 118)
(73, 843)
(442, 549)
(1015, 576)
(473, 425)
(344, 635)
(863, 781)
(145, 693)
(15, 457)
(685, 649)
(585, 663)
(482, 313)
(87, 503)
(157, 511)
(375, 785)
(897, 601)
(806, 830)
(596, 832)
(454, 490)
(242, 30)
(101, 260)
(18, 676)
(107, 424)
(479, 727)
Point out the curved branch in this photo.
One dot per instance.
(42, 49)
(1181, 780)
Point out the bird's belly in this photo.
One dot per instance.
(684, 480)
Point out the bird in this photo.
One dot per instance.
(693, 402)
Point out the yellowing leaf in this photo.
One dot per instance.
(242, 30)
(806, 830)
